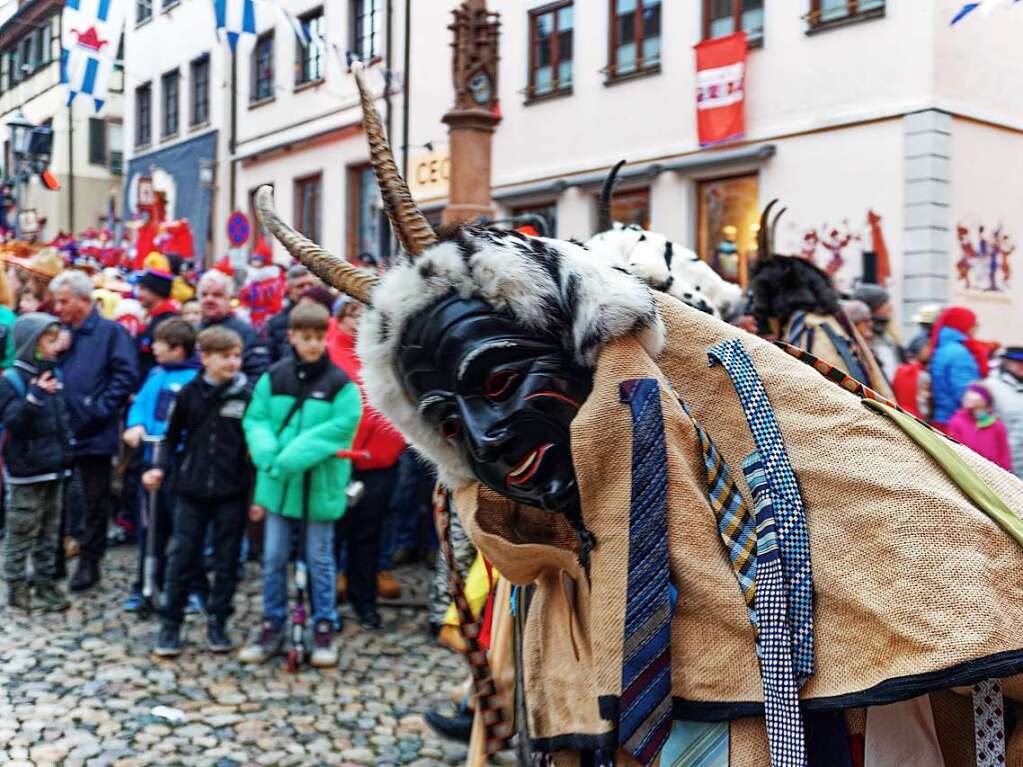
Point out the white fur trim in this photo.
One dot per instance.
(548, 285)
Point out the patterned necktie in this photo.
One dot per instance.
(735, 520)
(645, 710)
(793, 537)
(785, 736)
(696, 744)
(989, 723)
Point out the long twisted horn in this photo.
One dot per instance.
(764, 241)
(336, 272)
(604, 222)
(410, 225)
(774, 230)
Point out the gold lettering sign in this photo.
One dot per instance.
(429, 173)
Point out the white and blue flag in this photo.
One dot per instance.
(984, 6)
(235, 18)
(92, 30)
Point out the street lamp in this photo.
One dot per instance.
(20, 131)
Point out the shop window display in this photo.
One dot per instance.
(728, 221)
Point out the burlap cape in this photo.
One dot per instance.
(916, 590)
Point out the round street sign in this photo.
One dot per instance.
(238, 229)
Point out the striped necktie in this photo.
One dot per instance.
(793, 537)
(645, 710)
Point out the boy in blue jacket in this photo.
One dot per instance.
(174, 350)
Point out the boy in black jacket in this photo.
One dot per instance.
(37, 453)
(205, 447)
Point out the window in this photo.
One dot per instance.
(307, 206)
(169, 87)
(725, 17)
(550, 50)
(728, 220)
(824, 13)
(263, 68)
(143, 10)
(367, 36)
(364, 213)
(200, 81)
(631, 207)
(115, 143)
(169, 3)
(526, 215)
(309, 58)
(28, 56)
(635, 37)
(143, 114)
(97, 141)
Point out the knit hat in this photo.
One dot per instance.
(982, 390)
(158, 282)
(873, 296)
(1013, 353)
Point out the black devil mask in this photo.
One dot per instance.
(504, 396)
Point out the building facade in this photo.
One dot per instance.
(87, 152)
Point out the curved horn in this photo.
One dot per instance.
(410, 225)
(764, 243)
(604, 222)
(336, 272)
(774, 229)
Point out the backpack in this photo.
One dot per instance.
(11, 374)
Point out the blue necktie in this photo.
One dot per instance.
(793, 537)
(645, 710)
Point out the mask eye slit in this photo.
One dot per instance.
(450, 428)
(500, 383)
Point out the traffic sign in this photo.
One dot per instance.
(238, 229)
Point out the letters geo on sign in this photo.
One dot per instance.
(721, 89)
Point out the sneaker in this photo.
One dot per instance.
(50, 599)
(265, 646)
(387, 585)
(324, 650)
(168, 643)
(19, 596)
(133, 603)
(457, 727)
(196, 605)
(86, 575)
(217, 638)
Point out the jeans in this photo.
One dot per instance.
(360, 529)
(93, 473)
(184, 558)
(319, 557)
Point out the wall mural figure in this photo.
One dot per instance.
(984, 259)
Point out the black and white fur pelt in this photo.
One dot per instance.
(548, 285)
(667, 266)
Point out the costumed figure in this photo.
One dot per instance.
(726, 550)
(796, 302)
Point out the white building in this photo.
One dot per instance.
(87, 149)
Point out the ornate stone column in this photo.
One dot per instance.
(475, 115)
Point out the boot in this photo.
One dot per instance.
(49, 598)
(86, 576)
(19, 596)
(168, 642)
(387, 585)
(217, 637)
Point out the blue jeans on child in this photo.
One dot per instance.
(319, 556)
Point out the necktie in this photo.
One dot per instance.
(989, 723)
(696, 744)
(645, 711)
(735, 520)
(793, 537)
(782, 717)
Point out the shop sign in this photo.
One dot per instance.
(430, 173)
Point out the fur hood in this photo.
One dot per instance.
(547, 285)
(667, 266)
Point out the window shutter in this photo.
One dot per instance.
(97, 141)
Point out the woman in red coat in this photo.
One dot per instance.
(362, 525)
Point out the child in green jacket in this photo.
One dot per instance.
(303, 411)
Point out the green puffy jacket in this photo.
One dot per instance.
(283, 452)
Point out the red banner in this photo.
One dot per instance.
(721, 89)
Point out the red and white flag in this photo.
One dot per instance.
(721, 89)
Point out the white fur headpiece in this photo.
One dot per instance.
(550, 286)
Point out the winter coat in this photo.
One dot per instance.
(7, 350)
(824, 336)
(1007, 393)
(204, 447)
(912, 387)
(39, 443)
(100, 373)
(991, 441)
(376, 435)
(286, 442)
(953, 368)
(276, 331)
(255, 355)
(153, 403)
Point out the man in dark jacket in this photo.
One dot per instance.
(215, 292)
(100, 368)
(37, 454)
(300, 280)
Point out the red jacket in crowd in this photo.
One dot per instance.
(375, 435)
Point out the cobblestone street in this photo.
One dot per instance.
(81, 688)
